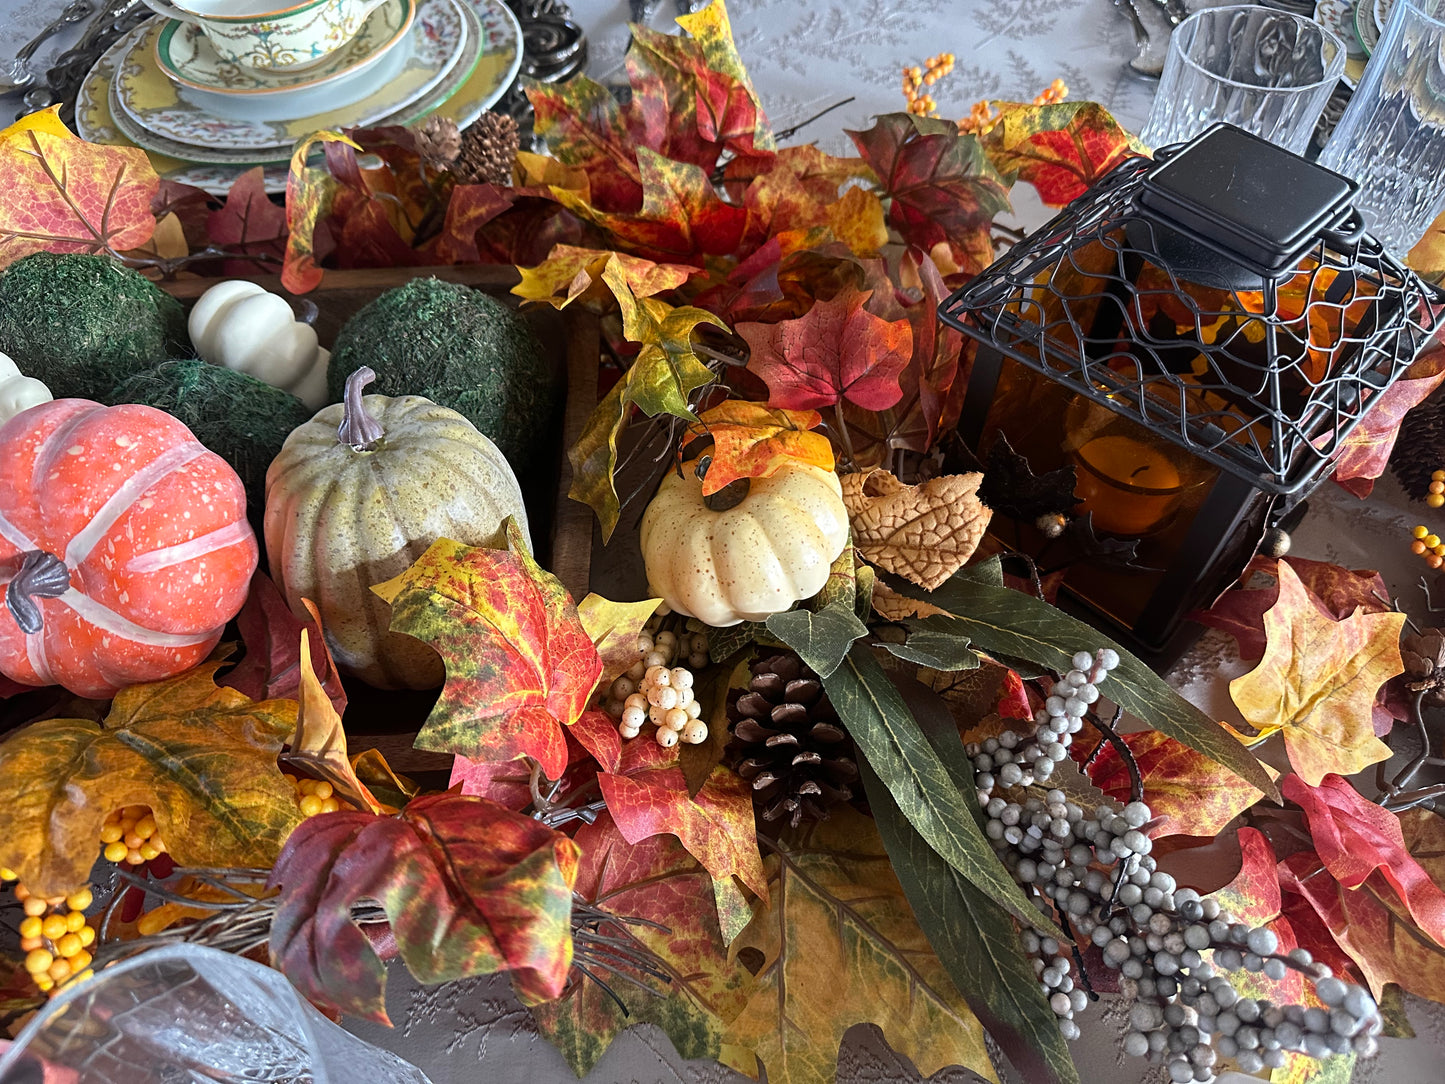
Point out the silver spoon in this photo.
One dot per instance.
(17, 74)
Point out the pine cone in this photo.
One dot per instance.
(438, 142)
(488, 149)
(1420, 448)
(788, 743)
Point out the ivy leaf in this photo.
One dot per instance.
(751, 440)
(248, 223)
(1337, 591)
(934, 643)
(977, 943)
(1188, 793)
(63, 194)
(570, 272)
(520, 665)
(662, 376)
(889, 737)
(837, 350)
(310, 191)
(1354, 837)
(1061, 149)
(1318, 680)
(318, 745)
(840, 947)
(822, 639)
(614, 628)
(717, 826)
(940, 183)
(202, 757)
(271, 668)
(657, 881)
(468, 887)
(924, 532)
(1010, 624)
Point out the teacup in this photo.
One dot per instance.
(262, 35)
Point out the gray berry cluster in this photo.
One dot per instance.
(1092, 871)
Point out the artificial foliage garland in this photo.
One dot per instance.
(559, 802)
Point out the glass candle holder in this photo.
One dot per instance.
(1267, 71)
(1391, 138)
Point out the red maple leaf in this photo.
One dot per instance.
(837, 350)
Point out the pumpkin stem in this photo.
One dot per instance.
(358, 428)
(41, 575)
(729, 496)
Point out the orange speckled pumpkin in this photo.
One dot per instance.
(124, 546)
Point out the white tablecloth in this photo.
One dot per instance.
(802, 57)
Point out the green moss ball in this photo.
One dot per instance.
(463, 349)
(82, 324)
(243, 420)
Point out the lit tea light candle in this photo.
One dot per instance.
(1129, 486)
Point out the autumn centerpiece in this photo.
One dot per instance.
(828, 736)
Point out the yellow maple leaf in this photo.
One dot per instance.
(1318, 680)
(752, 440)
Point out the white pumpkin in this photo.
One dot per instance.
(241, 326)
(752, 560)
(17, 391)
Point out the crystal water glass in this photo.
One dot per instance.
(1267, 71)
(1391, 138)
(187, 1013)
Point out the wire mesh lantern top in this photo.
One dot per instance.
(1223, 295)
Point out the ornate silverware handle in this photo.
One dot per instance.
(62, 81)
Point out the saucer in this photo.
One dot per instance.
(488, 83)
(1365, 28)
(187, 57)
(441, 42)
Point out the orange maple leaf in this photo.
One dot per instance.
(1318, 680)
(751, 440)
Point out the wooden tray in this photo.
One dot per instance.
(561, 527)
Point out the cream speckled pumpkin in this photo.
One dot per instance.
(347, 508)
(752, 560)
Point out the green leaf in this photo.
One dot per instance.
(932, 643)
(1001, 621)
(977, 943)
(733, 910)
(822, 638)
(893, 743)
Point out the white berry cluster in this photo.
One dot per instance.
(655, 691)
(1092, 871)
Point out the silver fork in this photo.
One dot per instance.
(1147, 63)
(17, 73)
(1174, 10)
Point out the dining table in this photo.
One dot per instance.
(844, 59)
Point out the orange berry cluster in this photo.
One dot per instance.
(129, 835)
(920, 102)
(55, 935)
(983, 116)
(314, 795)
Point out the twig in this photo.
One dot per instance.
(1036, 580)
(788, 133)
(1136, 781)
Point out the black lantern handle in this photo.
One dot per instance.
(1347, 233)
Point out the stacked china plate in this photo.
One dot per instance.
(205, 117)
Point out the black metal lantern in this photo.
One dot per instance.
(1192, 338)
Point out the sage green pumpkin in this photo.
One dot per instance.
(345, 512)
